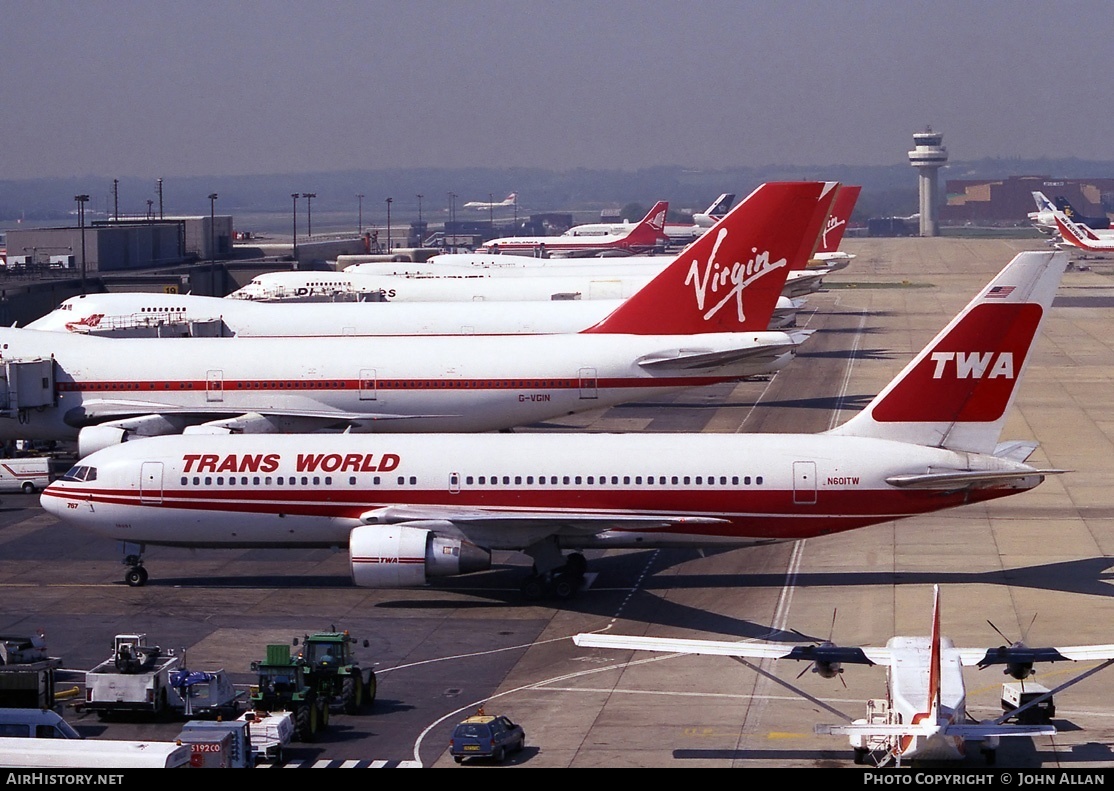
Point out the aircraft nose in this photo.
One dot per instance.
(50, 500)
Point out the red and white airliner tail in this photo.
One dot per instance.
(955, 394)
(735, 272)
(1077, 235)
(836, 225)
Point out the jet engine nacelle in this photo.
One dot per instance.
(402, 556)
(93, 438)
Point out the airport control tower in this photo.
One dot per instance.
(927, 157)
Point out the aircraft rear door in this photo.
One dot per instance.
(804, 483)
(150, 482)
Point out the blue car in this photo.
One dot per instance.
(486, 736)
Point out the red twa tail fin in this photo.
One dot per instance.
(741, 262)
(956, 392)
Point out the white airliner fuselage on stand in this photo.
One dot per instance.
(666, 337)
(410, 508)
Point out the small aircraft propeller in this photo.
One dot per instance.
(827, 668)
(1017, 656)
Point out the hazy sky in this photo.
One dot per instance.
(205, 87)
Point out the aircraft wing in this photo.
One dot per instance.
(1024, 655)
(98, 411)
(495, 527)
(692, 359)
(748, 650)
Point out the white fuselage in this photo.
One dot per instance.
(910, 698)
(312, 490)
(123, 314)
(408, 383)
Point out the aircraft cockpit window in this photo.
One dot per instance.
(80, 472)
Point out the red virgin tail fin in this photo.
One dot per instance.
(836, 225)
(730, 278)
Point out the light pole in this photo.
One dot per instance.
(81, 200)
(491, 209)
(389, 202)
(309, 196)
(360, 197)
(452, 213)
(294, 195)
(160, 199)
(212, 227)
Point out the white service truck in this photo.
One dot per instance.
(139, 677)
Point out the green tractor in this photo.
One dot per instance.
(333, 671)
(283, 686)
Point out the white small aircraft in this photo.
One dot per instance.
(510, 200)
(411, 507)
(924, 716)
(644, 236)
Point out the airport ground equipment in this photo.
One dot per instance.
(1023, 693)
(333, 671)
(27, 674)
(140, 677)
(270, 733)
(218, 744)
(282, 686)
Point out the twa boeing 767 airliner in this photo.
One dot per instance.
(411, 507)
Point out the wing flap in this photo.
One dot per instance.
(580, 521)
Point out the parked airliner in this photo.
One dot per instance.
(643, 236)
(411, 509)
(701, 322)
(510, 200)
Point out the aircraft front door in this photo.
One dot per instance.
(804, 483)
(150, 482)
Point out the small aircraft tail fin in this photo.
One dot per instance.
(956, 392)
(934, 657)
(836, 225)
(729, 279)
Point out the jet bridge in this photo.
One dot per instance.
(26, 384)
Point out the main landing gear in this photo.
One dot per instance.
(560, 583)
(136, 575)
